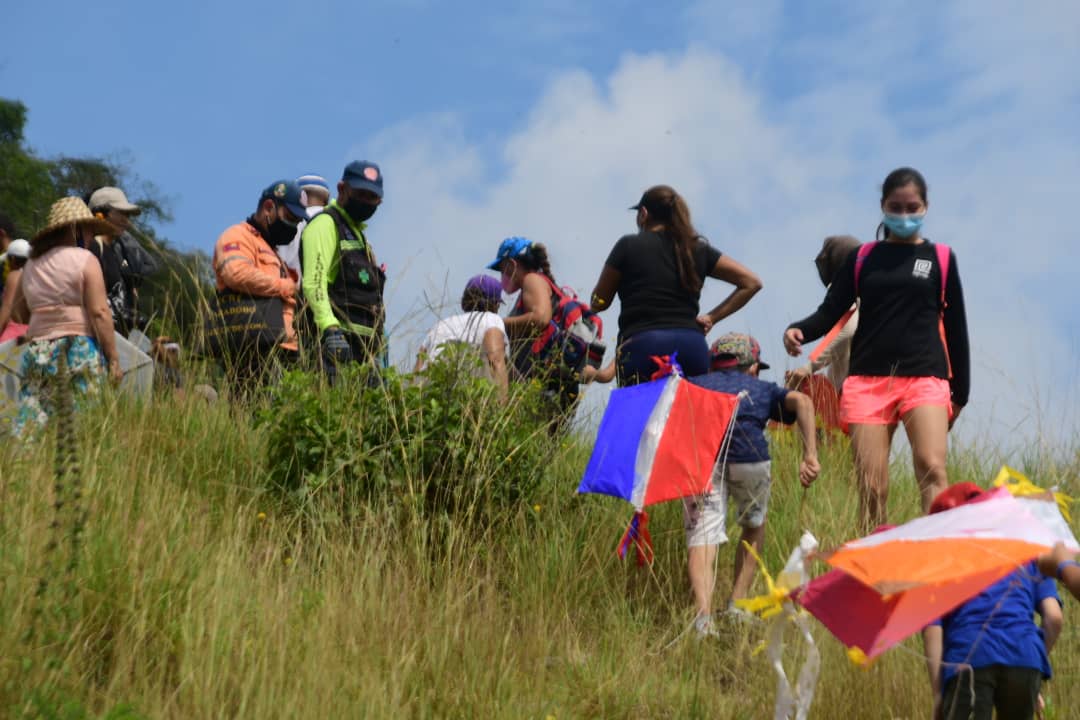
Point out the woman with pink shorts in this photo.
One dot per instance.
(909, 356)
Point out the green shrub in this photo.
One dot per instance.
(445, 439)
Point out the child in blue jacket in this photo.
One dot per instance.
(988, 654)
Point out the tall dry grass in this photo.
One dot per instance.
(198, 593)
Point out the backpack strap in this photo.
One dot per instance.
(558, 300)
(343, 230)
(943, 253)
(860, 258)
(554, 288)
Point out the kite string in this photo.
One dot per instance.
(960, 666)
(721, 464)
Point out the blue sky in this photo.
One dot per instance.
(777, 120)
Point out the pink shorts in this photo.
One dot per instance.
(873, 400)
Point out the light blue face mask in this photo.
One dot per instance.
(904, 225)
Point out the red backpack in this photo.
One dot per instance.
(863, 252)
(573, 338)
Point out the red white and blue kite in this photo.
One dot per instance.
(658, 441)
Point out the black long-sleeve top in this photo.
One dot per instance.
(899, 306)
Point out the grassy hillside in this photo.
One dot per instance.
(199, 592)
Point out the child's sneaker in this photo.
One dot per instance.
(737, 615)
(704, 627)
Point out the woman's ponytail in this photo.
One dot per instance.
(538, 255)
(686, 239)
(666, 207)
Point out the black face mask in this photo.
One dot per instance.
(360, 210)
(278, 233)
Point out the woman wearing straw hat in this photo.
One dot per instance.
(63, 292)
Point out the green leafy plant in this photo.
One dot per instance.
(446, 437)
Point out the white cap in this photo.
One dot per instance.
(112, 197)
(18, 249)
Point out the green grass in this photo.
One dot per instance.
(200, 594)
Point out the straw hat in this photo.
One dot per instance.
(72, 211)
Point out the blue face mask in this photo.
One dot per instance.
(903, 225)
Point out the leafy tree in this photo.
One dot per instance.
(25, 184)
(172, 296)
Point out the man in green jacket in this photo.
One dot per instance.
(342, 281)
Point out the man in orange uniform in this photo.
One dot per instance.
(246, 260)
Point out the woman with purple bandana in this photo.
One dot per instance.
(478, 326)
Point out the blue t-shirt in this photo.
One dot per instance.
(765, 403)
(997, 626)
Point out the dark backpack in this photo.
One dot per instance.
(136, 262)
(573, 338)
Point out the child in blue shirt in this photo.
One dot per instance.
(988, 653)
(746, 476)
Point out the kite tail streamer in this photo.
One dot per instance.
(790, 702)
(793, 702)
(637, 532)
(808, 676)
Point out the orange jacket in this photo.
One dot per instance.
(245, 263)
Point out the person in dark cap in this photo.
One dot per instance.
(658, 274)
(478, 326)
(342, 282)
(246, 262)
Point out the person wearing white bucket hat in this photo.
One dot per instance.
(13, 261)
(17, 249)
(7, 234)
(63, 292)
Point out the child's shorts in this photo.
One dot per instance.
(874, 400)
(746, 484)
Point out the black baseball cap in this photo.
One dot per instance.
(364, 175)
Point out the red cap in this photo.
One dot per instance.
(956, 495)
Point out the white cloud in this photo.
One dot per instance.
(767, 178)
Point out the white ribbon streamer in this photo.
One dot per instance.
(794, 702)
